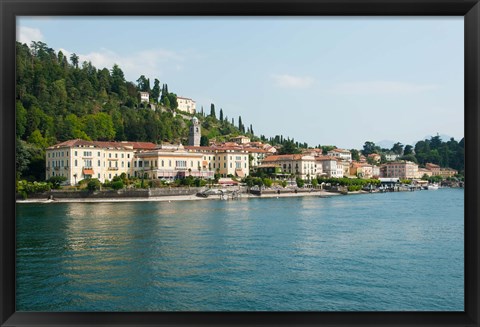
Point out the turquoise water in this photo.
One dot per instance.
(373, 252)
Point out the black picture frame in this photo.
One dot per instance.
(470, 9)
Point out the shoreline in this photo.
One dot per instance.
(192, 197)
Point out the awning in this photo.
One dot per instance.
(88, 171)
(240, 173)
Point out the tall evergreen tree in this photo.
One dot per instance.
(156, 90)
(212, 111)
(221, 114)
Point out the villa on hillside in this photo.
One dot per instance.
(186, 105)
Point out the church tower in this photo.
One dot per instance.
(195, 133)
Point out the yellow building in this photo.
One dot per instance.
(80, 159)
(170, 162)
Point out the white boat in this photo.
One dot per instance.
(433, 187)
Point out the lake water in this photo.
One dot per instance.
(373, 252)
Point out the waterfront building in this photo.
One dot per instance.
(224, 160)
(195, 133)
(362, 170)
(400, 169)
(186, 105)
(170, 162)
(301, 166)
(340, 153)
(79, 159)
(448, 172)
(330, 167)
(256, 157)
(424, 171)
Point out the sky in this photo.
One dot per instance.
(322, 80)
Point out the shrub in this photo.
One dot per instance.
(117, 185)
(94, 184)
(300, 182)
(56, 181)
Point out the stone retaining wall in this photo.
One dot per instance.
(112, 194)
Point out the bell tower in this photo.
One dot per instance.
(195, 133)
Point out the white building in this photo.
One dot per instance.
(224, 160)
(340, 153)
(186, 104)
(302, 166)
(330, 166)
(144, 97)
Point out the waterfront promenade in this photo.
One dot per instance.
(188, 197)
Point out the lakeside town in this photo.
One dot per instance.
(89, 129)
(96, 165)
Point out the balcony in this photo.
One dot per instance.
(112, 168)
(56, 168)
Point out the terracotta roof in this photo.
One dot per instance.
(104, 144)
(325, 158)
(283, 157)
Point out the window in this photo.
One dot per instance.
(109, 155)
(123, 155)
(224, 165)
(76, 164)
(163, 163)
(128, 164)
(128, 155)
(116, 155)
(98, 163)
(98, 154)
(123, 164)
(75, 153)
(98, 175)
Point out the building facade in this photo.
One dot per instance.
(400, 169)
(330, 167)
(302, 166)
(186, 105)
(78, 159)
(341, 154)
(169, 162)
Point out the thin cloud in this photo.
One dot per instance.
(28, 34)
(290, 81)
(134, 65)
(381, 88)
